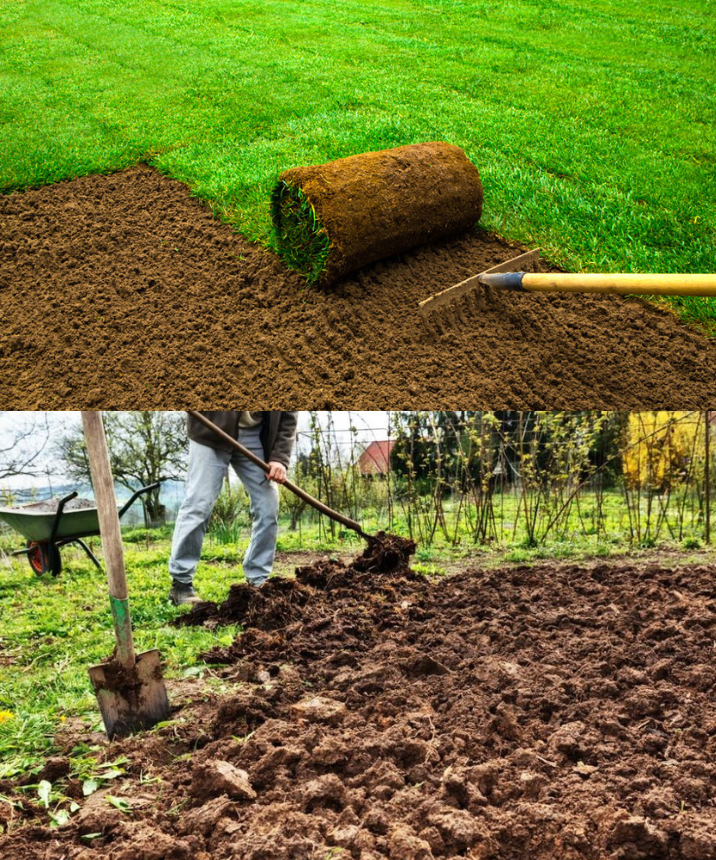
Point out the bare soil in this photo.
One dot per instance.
(556, 711)
(124, 292)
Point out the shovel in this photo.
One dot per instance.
(129, 687)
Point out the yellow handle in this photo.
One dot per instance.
(623, 284)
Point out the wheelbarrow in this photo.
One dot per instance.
(48, 529)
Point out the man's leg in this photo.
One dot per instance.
(258, 560)
(205, 473)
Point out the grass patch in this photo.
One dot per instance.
(53, 629)
(301, 239)
(592, 123)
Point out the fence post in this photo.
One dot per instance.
(707, 482)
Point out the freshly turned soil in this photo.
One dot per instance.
(378, 204)
(123, 292)
(558, 711)
(279, 600)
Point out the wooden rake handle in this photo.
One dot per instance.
(621, 284)
(302, 494)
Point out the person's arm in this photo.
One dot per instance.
(285, 439)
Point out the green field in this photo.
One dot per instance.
(592, 123)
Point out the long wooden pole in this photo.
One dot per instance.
(707, 478)
(622, 283)
(103, 486)
(302, 494)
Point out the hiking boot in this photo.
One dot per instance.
(182, 594)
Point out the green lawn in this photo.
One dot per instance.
(591, 121)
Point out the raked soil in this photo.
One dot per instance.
(123, 292)
(556, 712)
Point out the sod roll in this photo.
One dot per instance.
(334, 218)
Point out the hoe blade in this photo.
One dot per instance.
(130, 699)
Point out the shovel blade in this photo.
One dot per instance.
(133, 699)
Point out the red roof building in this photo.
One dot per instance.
(375, 460)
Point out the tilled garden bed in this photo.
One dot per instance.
(556, 711)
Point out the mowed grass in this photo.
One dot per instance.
(591, 121)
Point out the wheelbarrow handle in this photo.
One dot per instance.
(302, 494)
(58, 514)
(127, 505)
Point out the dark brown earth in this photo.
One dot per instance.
(123, 292)
(547, 712)
(378, 204)
(282, 600)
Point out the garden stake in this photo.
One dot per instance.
(302, 494)
(129, 687)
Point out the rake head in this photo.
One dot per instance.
(454, 306)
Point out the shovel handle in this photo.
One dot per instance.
(103, 485)
(289, 485)
(619, 283)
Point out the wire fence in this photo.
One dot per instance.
(502, 478)
(516, 478)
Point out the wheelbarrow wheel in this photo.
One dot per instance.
(44, 558)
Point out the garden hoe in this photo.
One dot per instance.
(520, 275)
(302, 494)
(129, 687)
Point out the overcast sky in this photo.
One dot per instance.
(371, 425)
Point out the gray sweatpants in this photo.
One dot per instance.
(205, 475)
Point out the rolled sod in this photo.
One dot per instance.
(333, 218)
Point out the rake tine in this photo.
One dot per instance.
(473, 302)
(459, 311)
(449, 316)
(453, 303)
(476, 301)
(430, 325)
(442, 322)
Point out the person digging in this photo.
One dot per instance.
(269, 435)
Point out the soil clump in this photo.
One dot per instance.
(549, 711)
(123, 292)
(280, 600)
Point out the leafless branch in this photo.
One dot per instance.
(22, 449)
